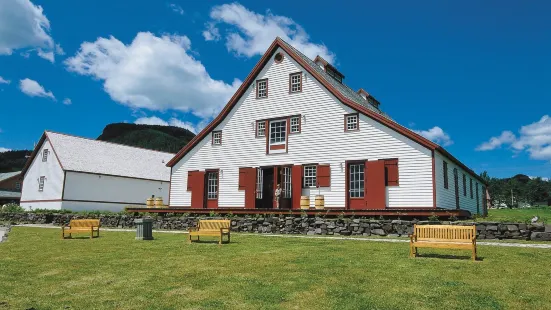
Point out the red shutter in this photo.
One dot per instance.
(324, 176)
(375, 196)
(249, 185)
(296, 181)
(242, 178)
(196, 183)
(391, 171)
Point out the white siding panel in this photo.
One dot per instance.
(78, 206)
(445, 198)
(50, 205)
(50, 169)
(94, 187)
(322, 140)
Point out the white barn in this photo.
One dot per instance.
(293, 122)
(74, 173)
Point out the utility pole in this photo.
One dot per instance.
(512, 200)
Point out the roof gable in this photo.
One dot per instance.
(344, 93)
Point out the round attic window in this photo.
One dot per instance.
(278, 57)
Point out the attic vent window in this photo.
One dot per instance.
(278, 58)
(45, 155)
(216, 137)
(262, 88)
(351, 122)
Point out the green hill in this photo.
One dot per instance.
(161, 138)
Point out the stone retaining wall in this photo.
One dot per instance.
(297, 225)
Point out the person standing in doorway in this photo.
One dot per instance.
(277, 194)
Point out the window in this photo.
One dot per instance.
(356, 180)
(217, 137)
(334, 74)
(212, 185)
(17, 185)
(351, 122)
(446, 175)
(262, 88)
(45, 155)
(464, 185)
(286, 186)
(278, 58)
(310, 176)
(259, 182)
(471, 186)
(41, 184)
(278, 132)
(295, 124)
(295, 82)
(260, 128)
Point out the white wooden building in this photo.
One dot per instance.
(294, 122)
(74, 173)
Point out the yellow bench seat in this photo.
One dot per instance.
(217, 228)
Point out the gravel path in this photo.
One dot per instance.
(496, 243)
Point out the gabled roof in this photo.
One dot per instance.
(8, 175)
(7, 194)
(101, 157)
(344, 93)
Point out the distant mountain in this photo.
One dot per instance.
(154, 137)
(161, 138)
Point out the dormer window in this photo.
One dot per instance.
(45, 155)
(351, 122)
(216, 137)
(295, 82)
(262, 88)
(334, 73)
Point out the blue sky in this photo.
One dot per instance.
(472, 75)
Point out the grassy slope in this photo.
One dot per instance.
(518, 215)
(38, 269)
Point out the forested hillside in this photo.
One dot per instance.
(161, 138)
(518, 190)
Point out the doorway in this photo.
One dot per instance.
(264, 188)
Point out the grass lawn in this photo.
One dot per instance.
(518, 215)
(38, 269)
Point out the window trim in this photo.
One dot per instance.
(315, 177)
(471, 187)
(446, 174)
(291, 84)
(45, 154)
(464, 185)
(213, 134)
(260, 81)
(256, 128)
(207, 173)
(357, 122)
(299, 124)
(41, 183)
(281, 60)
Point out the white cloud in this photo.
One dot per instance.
(3, 149)
(154, 120)
(2, 81)
(534, 138)
(23, 25)
(154, 73)
(33, 89)
(436, 135)
(176, 8)
(506, 137)
(67, 101)
(251, 33)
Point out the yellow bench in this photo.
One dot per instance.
(217, 228)
(443, 236)
(81, 226)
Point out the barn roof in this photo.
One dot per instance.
(101, 157)
(8, 175)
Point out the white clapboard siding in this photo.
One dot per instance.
(322, 140)
(53, 182)
(445, 198)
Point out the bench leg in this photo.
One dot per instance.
(189, 239)
(228, 238)
(474, 253)
(220, 242)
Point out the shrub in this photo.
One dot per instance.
(433, 217)
(11, 208)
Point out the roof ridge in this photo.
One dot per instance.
(107, 142)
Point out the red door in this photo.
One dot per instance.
(196, 184)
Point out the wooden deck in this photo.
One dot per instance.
(391, 213)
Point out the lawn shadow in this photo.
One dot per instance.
(211, 242)
(450, 256)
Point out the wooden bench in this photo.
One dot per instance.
(443, 236)
(81, 226)
(217, 228)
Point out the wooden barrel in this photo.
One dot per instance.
(159, 202)
(150, 202)
(304, 202)
(320, 202)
